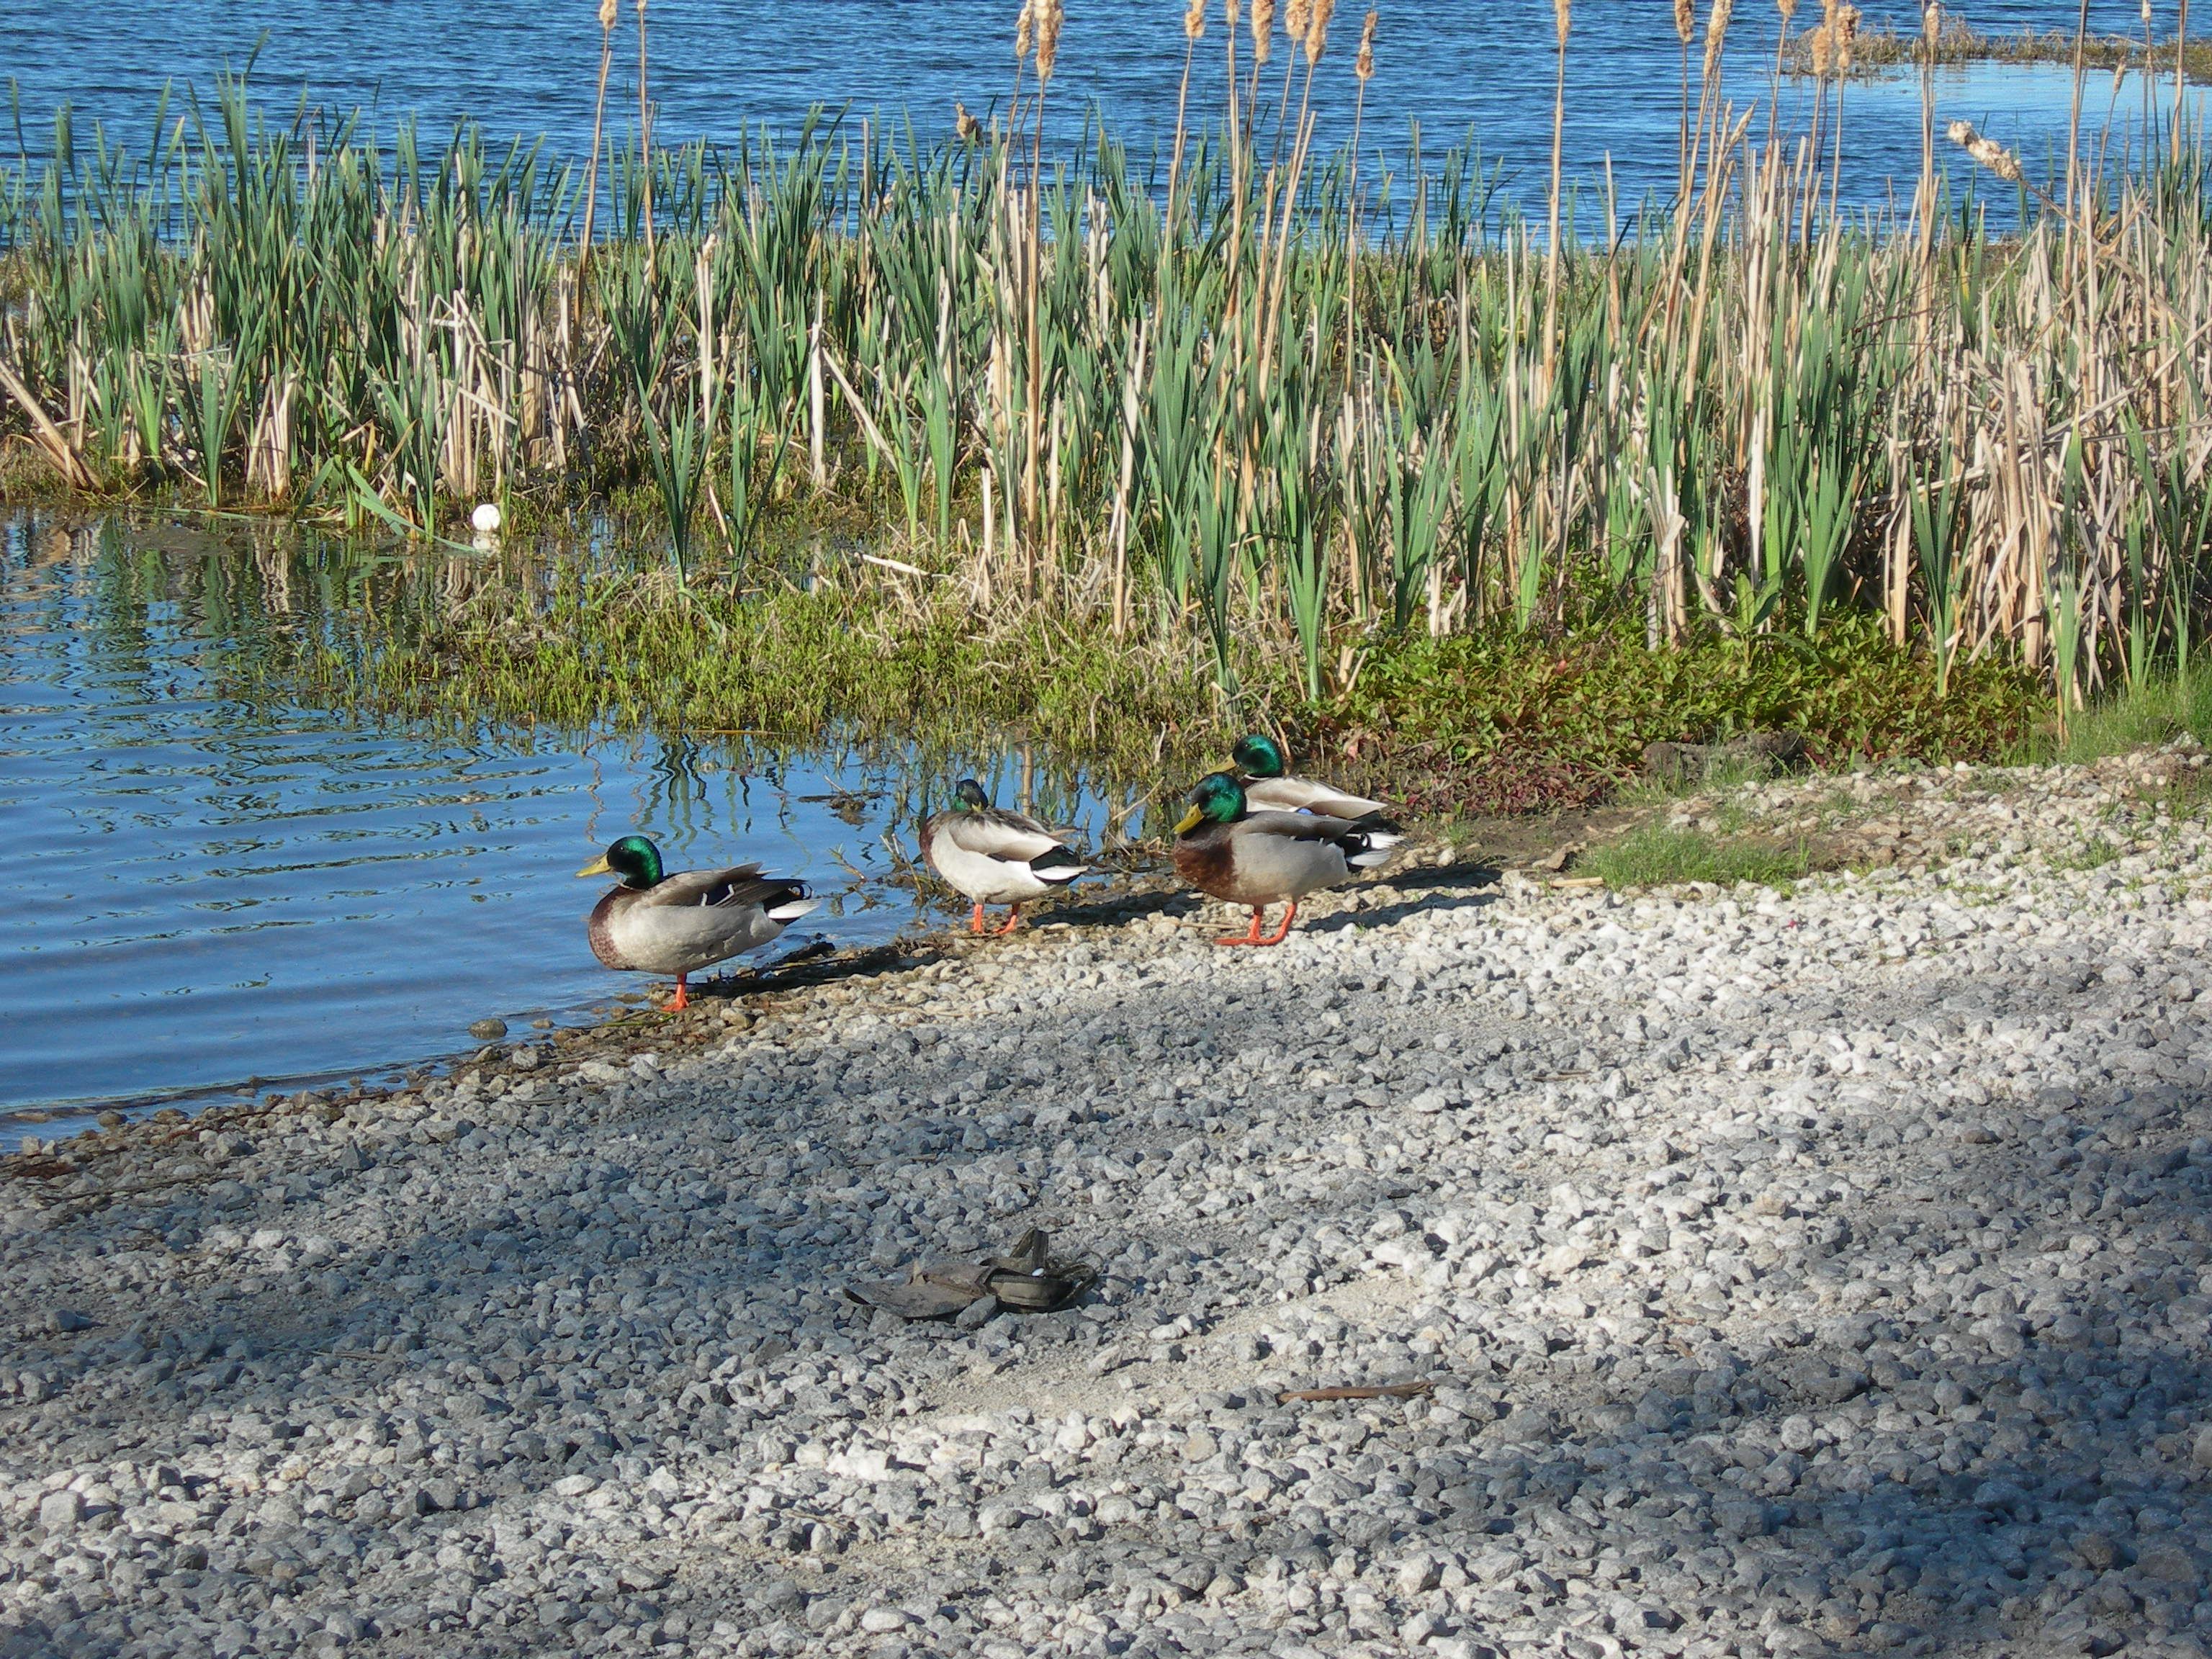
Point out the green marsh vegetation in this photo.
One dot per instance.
(1251, 430)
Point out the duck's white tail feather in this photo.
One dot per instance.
(1058, 872)
(793, 910)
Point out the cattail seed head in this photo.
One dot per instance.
(1295, 19)
(1263, 29)
(1847, 23)
(1193, 22)
(1230, 11)
(1685, 21)
(1317, 30)
(1789, 10)
(1931, 22)
(1025, 29)
(1363, 66)
(1989, 153)
(1716, 23)
(608, 11)
(1051, 15)
(1562, 20)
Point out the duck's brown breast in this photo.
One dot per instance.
(1206, 861)
(600, 930)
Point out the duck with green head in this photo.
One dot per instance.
(995, 856)
(1259, 859)
(1264, 771)
(655, 923)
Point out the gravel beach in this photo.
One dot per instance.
(1825, 1272)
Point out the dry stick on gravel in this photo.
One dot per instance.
(1384, 1391)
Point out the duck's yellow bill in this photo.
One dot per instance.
(1189, 820)
(597, 866)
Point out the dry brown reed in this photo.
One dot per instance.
(1316, 37)
(1270, 436)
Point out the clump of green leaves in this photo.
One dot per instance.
(1490, 709)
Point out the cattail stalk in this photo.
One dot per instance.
(1363, 69)
(609, 13)
(645, 130)
(1562, 23)
(1685, 28)
(2180, 56)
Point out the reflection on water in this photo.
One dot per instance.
(204, 890)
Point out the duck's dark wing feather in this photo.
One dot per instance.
(740, 884)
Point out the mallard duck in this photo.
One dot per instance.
(661, 924)
(994, 856)
(1261, 859)
(1268, 787)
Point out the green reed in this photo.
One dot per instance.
(1256, 400)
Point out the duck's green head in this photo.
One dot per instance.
(634, 860)
(1261, 756)
(968, 795)
(1218, 799)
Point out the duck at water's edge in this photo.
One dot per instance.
(994, 856)
(654, 923)
(1259, 858)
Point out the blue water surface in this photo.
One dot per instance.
(1453, 69)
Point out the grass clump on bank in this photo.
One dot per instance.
(2156, 709)
(1660, 855)
(1501, 722)
(1492, 723)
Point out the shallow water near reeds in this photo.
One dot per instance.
(721, 67)
(208, 891)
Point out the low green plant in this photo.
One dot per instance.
(2155, 709)
(1660, 855)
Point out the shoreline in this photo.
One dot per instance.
(1664, 1195)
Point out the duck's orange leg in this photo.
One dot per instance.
(1259, 916)
(1013, 920)
(682, 998)
(1283, 932)
(975, 922)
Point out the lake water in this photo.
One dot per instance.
(205, 891)
(1455, 68)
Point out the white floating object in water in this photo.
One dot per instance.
(486, 517)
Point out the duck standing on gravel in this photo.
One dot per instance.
(994, 856)
(1264, 772)
(662, 924)
(1259, 858)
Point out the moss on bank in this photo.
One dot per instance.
(1495, 722)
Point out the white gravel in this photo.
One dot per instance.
(1820, 1273)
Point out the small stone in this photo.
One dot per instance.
(62, 1320)
(877, 1621)
(60, 1511)
(488, 1030)
(574, 1486)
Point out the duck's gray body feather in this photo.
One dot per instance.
(1304, 795)
(694, 919)
(1266, 858)
(995, 856)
